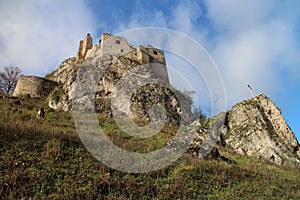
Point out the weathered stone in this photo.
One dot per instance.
(84, 46)
(255, 128)
(65, 75)
(59, 103)
(34, 86)
(116, 58)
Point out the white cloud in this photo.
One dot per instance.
(236, 15)
(37, 35)
(251, 41)
(255, 42)
(182, 18)
(141, 18)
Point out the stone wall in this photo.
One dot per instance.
(150, 54)
(113, 45)
(84, 46)
(34, 86)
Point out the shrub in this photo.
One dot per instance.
(57, 95)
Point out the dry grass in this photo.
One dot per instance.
(44, 159)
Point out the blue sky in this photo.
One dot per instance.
(250, 41)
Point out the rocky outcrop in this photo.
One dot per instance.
(34, 86)
(65, 75)
(115, 60)
(255, 128)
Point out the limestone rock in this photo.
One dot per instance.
(209, 135)
(113, 59)
(58, 100)
(255, 128)
(65, 75)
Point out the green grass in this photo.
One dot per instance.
(130, 143)
(44, 159)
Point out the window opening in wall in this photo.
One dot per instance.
(155, 52)
(118, 42)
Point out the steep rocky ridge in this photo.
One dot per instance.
(255, 128)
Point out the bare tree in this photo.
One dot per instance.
(9, 78)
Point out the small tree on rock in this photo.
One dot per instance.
(9, 78)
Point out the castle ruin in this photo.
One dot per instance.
(123, 58)
(84, 46)
(33, 86)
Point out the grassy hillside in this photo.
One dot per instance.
(44, 159)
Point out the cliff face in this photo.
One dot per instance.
(255, 128)
(65, 75)
(116, 60)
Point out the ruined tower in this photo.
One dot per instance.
(84, 46)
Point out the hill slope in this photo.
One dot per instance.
(45, 159)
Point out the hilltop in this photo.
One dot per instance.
(115, 60)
